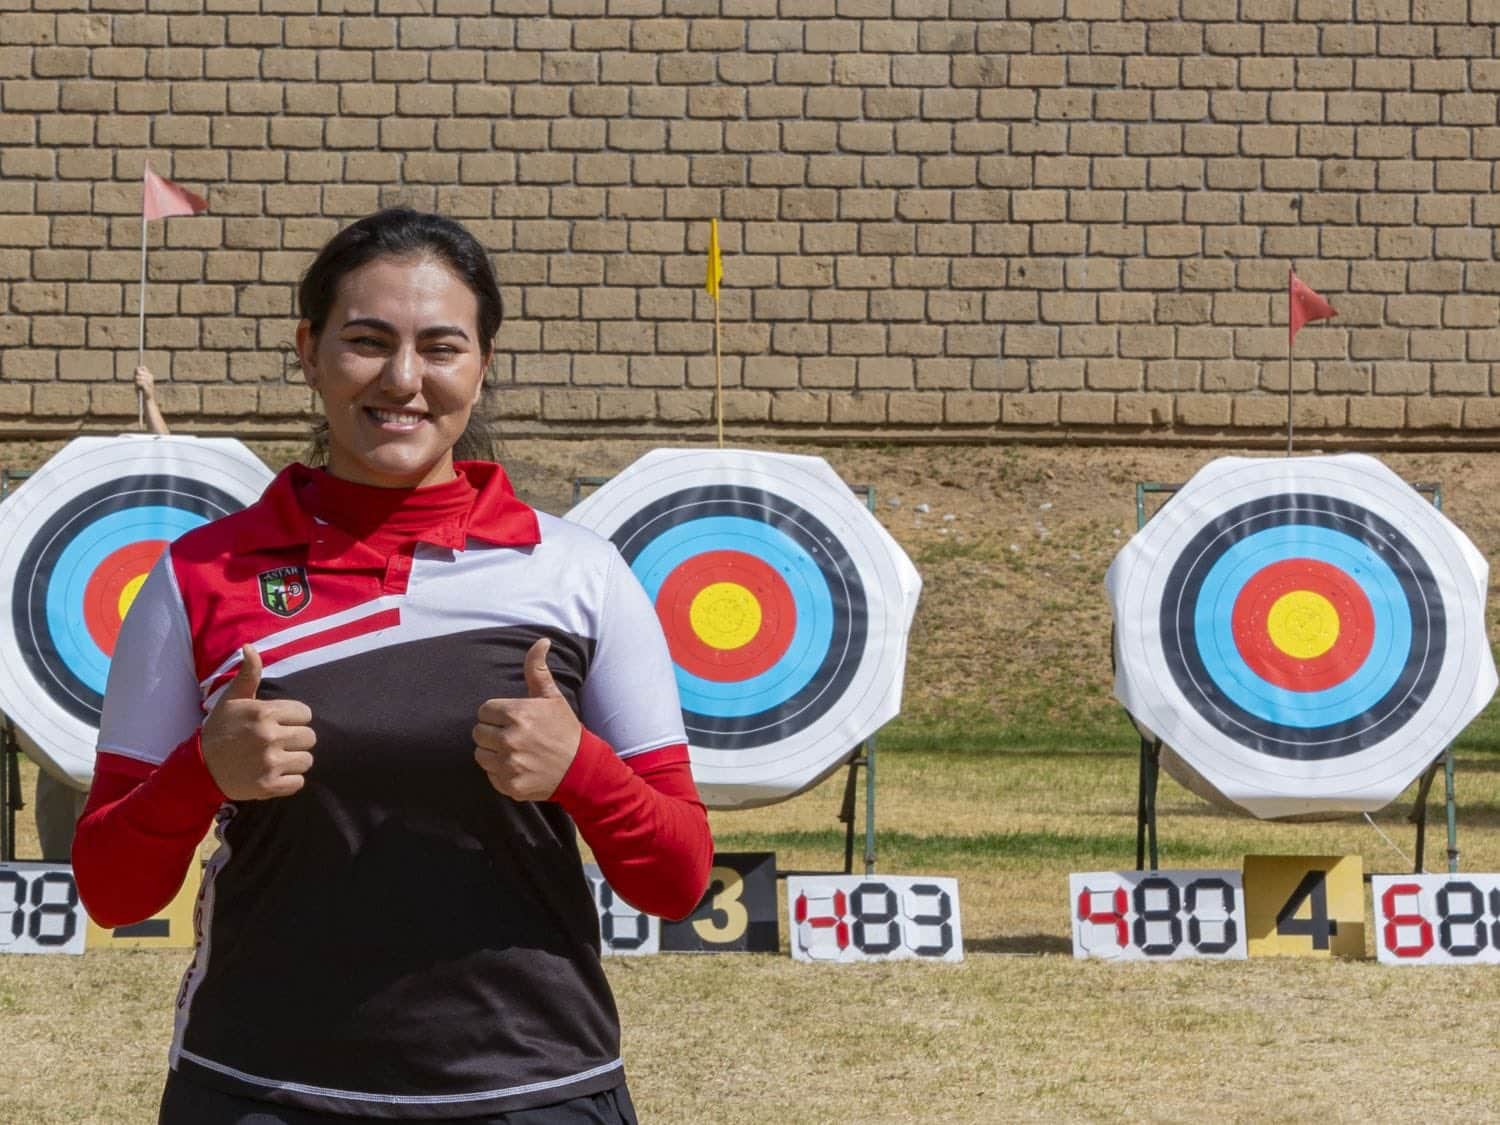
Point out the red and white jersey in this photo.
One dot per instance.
(397, 939)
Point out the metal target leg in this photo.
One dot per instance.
(1419, 818)
(10, 790)
(1153, 772)
(870, 805)
(1140, 810)
(846, 812)
(1450, 800)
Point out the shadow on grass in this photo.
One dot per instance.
(1018, 945)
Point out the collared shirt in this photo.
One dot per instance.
(397, 939)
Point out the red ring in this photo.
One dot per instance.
(1252, 635)
(778, 615)
(101, 594)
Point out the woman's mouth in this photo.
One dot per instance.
(399, 421)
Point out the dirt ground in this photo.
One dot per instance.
(1012, 541)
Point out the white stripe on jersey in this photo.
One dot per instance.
(398, 1099)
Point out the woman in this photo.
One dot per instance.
(372, 680)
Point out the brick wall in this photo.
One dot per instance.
(950, 216)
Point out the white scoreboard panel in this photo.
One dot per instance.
(39, 909)
(1437, 919)
(623, 930)
(1158, 915)
(843, 918)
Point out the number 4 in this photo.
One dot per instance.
(1313, 890)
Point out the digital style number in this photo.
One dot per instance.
(1157, 915)
(1437, 919)
(623, 930)
(874, 918)
(39, 909)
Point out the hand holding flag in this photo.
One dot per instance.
(160, 199)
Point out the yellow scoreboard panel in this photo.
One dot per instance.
(172, 928)
(1304, 906)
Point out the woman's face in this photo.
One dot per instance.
(399, 366)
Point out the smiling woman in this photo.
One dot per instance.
(398, 694)
(384, 306)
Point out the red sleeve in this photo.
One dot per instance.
(644, 821)
(139, 832)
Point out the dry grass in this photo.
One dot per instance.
(1013, 769)
(1019, 1031)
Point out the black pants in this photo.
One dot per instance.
(188, 1103)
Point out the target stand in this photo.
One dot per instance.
(862, 755)
(12, 801)
(1146, 849)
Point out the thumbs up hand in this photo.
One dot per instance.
(256, 748)
(525, 746)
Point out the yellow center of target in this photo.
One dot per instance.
(127, 595)
(1303, 624)
(725, 615)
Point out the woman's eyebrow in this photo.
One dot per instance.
(385, 326)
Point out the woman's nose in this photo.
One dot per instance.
(402, 373)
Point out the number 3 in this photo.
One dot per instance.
(726, 901)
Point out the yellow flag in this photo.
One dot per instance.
(715, 263)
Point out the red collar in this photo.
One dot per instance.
(482, 507)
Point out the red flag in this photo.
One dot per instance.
(163, 198)
(1303, 305)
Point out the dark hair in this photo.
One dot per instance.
(400, 232)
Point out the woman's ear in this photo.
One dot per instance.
(484, 377)
(307, 352)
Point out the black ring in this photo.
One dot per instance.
(34, 572)
(850, 627)
(1386, 717)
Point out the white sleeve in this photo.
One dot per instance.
(629, 696)
(151, 701)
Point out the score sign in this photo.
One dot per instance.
(1437, 919)
(1158, 915)
(39, 909)
(845, 918)
(738, 911)
(737, 914)
(623, 930)
(1305, 906)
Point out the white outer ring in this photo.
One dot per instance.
(778, 770)
(1261, 783)
(64, 744)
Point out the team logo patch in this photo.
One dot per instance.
(285, 590)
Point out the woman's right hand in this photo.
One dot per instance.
(256, 748)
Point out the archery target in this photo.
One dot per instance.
(80, 536)
(1304, 635)
(784, 603)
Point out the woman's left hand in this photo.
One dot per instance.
(525, 746)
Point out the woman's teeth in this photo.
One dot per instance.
(396, 417)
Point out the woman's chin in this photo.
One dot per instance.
(393, 468)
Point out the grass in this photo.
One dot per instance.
(1018, 1032)
(1010, 767)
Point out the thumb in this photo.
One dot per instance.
(246, 681)
(539, 681)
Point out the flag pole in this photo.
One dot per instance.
(718, 376)
(1289, 385)
(140, 351)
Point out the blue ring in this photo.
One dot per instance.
(1364, 688)
(813, 632)
(77, 564)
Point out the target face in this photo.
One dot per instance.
(1306, 635)
(81, 535)
(784, 603)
